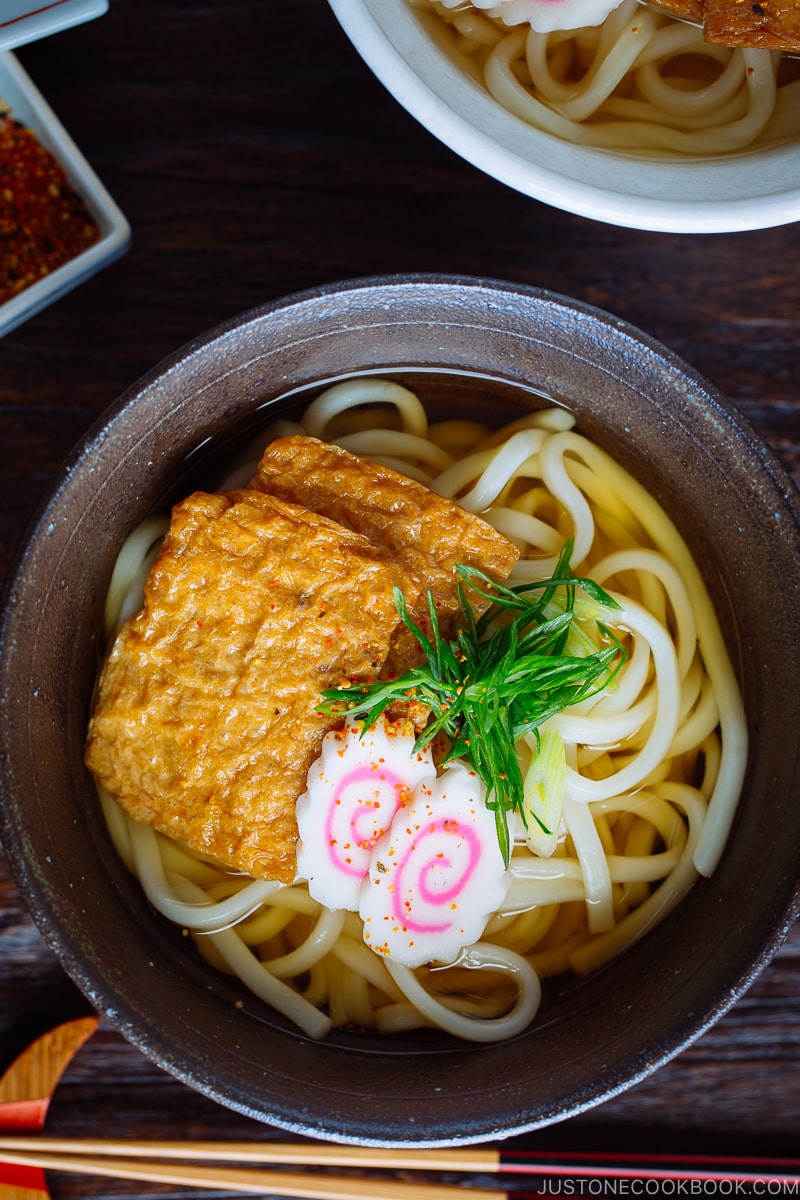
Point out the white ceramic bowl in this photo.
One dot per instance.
(751, 190)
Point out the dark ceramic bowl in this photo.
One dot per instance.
(490, 349)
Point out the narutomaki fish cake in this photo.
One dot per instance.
(205, 722)
(423, 531)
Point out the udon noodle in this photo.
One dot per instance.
(654, 764)
(640, 81)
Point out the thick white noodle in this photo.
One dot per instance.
(399, 445)
(538, 481)
(628, 687)
(665, 724)
(322, 938)
(668, 541)
(622, 868)
(124, 597)
(524, 528)
(558, 482)
(494, 469)
(472, 1029)
(186, 899)
(351, 393)
(581, 826)
(525, 893)
(638, 82)
(702, 722)
(601, 729)
(360, 960)
(200, 915)
(660, 902)
(650, 561)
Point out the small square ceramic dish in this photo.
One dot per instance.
(23, 21)
(28, 106)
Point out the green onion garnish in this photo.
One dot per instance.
(500, 677)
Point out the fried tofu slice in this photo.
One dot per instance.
(770, 25)
(204, 724)
(687, 10)
(424, 532)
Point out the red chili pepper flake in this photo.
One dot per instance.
(43, 222)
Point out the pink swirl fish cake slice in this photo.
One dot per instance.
(354, 790)
(437, 875)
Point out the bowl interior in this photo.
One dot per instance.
(750, 190)
(492, 351)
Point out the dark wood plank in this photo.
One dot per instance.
(254, 155)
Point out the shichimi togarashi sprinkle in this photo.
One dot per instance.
(43, 221)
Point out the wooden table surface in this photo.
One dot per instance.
(254, 155)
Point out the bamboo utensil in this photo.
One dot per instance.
(252, 1167)
(199, 1164)
(304, 1184)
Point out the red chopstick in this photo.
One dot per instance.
(663, 1166)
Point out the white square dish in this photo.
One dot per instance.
(29, 106)
(22, 21)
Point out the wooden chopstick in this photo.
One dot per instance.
(101, 1153)
(308, 1185)
(275, 1153)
